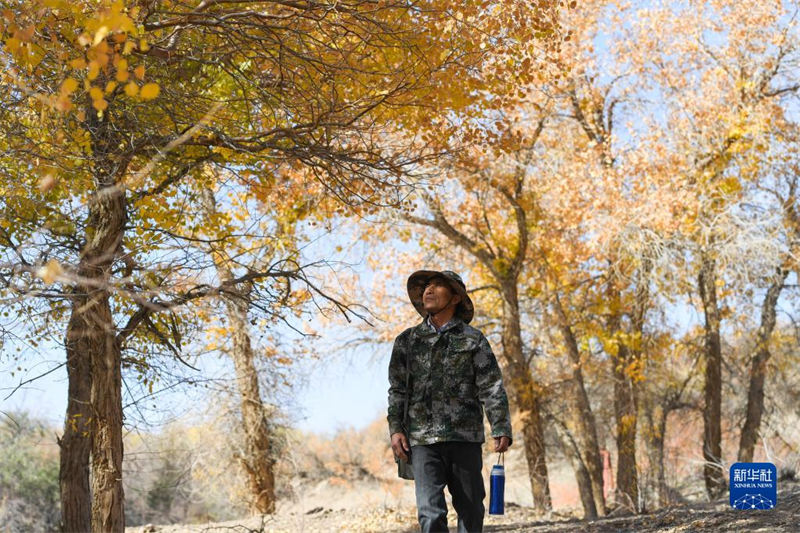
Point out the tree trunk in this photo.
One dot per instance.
(582, 477)
(75, 444)
(257, 460)
(581, 415)
(758, 367)
(526, 397)
(91, 336)
(625, 415)
(712, 429)
(107, 495)
(625, 408)
(653, 431)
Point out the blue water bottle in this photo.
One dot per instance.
(497, 485)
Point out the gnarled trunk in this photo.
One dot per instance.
(525, 393)
(75, 445)
(526, 398)
(107, 495)
(653, 432)
(582, 477)
(582, 417)
(622, 356)
(712, 427)
(257, 460)
(626, 418)
(91, 338)
(758, 367)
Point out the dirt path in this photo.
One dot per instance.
(688, 518)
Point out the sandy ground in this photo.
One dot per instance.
(388, 506)
(392, 510)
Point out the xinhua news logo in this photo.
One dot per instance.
(753, 486)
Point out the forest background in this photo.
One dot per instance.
(203, 200)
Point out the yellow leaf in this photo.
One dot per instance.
(12, 44)
(78, 64)
(139, 72)
(122, 70)
(131, 89)
(143, 46)
(68, 86)
(128, 48)
(26, 34)
(94, 70)
(47, 183)
(100, 105)
(63, 103)
(110, 86)
(99, 35)
(149, 91)
(95, 93)
(730, 185)
(50, 272)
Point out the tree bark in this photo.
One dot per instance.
(625, 405)
(526, 397)
(758, 368)
(257, 460)
(75, 444)
(581, 415)
(712, 427)
(653, 430)
(625, 415)
(91, 337)
(582, 477)
(107, 495)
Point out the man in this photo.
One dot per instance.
(453, 378)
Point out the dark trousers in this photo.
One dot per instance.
(456, 465)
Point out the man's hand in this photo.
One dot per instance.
(501, 444)
(400, 446)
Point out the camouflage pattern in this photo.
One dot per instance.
(454, 378)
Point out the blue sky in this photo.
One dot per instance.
(343, 387)
(344, 391)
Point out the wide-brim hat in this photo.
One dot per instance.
(417, 282)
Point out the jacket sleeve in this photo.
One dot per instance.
(491, 392)
(397, 385)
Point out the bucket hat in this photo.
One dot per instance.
(417, 282)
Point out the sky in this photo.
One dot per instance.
(341, 389)
(343, 392)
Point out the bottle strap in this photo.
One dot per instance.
(500, 459)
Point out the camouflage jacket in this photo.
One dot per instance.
(454, 378)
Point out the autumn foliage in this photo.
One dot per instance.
(616, 181)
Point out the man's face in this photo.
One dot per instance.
(438, 295)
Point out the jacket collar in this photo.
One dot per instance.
(426, 329)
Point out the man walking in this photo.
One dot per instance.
(453, 377)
